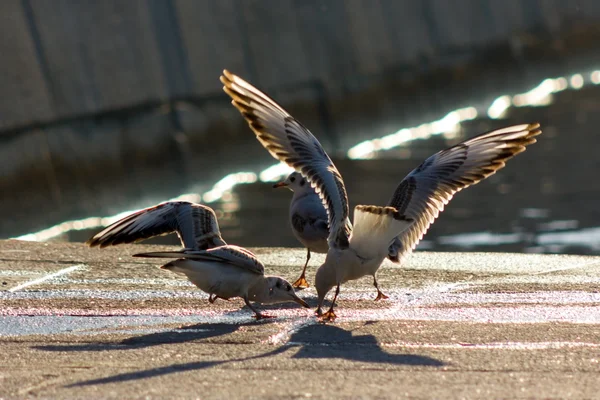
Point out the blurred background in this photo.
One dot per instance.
(110, 106)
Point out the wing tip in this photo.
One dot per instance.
(534, 130)
(226, 76)
(100, 241)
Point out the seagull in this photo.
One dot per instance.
(357, 251)
(309, 222)
(221, 270)
(308, 218)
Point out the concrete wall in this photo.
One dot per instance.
(64, 59)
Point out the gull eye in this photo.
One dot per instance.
(292, 179)
(288, 288)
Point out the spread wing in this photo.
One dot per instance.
(425, 191)
(195, 224)
(227, 254)
(289, 141)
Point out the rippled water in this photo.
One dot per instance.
(543, 201)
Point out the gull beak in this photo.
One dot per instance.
(280, 184)
(299, 300)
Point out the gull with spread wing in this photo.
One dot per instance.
(221, 270)
(310, 225)
(357, 251)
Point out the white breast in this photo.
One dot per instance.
(223, 280)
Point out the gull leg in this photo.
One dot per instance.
(330, 316)
(302, 283)
(258, 315)
(380, 294)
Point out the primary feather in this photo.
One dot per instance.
(228, 254)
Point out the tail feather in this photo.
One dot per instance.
(170, 266)
(375, 228)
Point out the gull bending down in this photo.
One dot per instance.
(309, 222)
(357, 251)
(221, 270)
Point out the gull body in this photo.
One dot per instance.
(308, 218)
(215, 278)
(221, 270)
(393, 230)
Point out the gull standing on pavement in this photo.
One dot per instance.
(308, 218)
(358, 251)
(221, 270)
(310, 225)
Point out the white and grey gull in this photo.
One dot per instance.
(308, 218)
(217, 268)
(358, 250)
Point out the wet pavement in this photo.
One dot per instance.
(89, 323)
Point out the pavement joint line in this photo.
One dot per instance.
(587, 264)
(46, 277)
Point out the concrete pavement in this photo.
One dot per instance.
(88, 323)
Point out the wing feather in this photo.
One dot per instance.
(195, 224)
(424, 192)
(227, 254)
(289, 141)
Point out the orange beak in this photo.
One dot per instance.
(279, 184)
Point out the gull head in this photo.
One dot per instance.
(295, 182)
(273, 289)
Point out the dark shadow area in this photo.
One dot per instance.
(313, 341)
(179, 335)
(150, 373)
(328, 341)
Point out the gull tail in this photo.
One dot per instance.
(170, 266)
(375, 228)
(174, 266)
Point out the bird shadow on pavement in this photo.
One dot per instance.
(328, 341)
(312, 341)
(178, 335)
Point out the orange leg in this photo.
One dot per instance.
(380, 294)
(302, 283)
(329, 316)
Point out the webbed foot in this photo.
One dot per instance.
(329, 316)
(301, 283)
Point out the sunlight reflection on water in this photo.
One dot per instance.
(550, 235)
